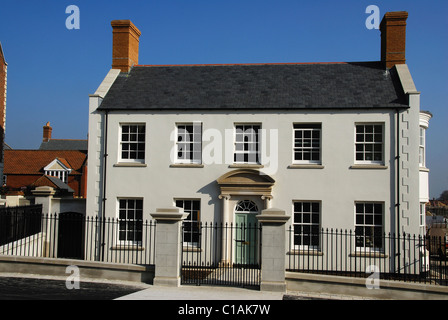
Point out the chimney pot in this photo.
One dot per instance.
(47, 133)
(393, 38)
(125, 45)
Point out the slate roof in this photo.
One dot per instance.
(256, 86)
(52, 182)
(64, 144)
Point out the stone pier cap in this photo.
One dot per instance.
(273, 215)
(171, 213)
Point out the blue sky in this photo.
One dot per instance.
(52, 70)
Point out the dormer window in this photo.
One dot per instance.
(58, 168)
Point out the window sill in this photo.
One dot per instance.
(246, 165)
(127, 247)
(130, 164)
(306, 166)
(423, 169)
(369, 166)
(186, 165)
(310, 252)
(191, 249)
(364, 254)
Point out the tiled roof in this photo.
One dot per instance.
(33, 161)
(256, 87)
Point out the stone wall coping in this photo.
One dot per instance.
(171, 214)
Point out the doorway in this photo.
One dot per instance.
(246, 233)
(71, 235)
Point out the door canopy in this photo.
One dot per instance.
(246, 182)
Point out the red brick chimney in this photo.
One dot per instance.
(125, 45)
(393, 38)
(47, 133)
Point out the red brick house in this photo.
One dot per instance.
(58, 163)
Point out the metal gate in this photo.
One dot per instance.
(71, 234)
(217, 254)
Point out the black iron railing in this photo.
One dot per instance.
(19, 222)
(74, 236)
(222, 254)
(348, 253)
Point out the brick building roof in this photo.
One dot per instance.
(33, 161)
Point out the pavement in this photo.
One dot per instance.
(227, 293)
(38, 287)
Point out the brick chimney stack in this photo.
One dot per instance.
(47, 133)
(393, 38)
(125, 45)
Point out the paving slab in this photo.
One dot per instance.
(201, 293)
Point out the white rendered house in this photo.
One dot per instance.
(335, 145)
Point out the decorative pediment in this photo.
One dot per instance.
(245, 177)
(246, 181)
(58, 164)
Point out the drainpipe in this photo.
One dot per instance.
(397, 157)
(104, 185)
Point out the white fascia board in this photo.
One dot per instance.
(56, 161)
(96, 98)
(107, 83)
(406, 79)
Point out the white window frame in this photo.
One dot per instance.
(422, 146)
(189, 219)
(366, 224)
(59, 173)
(311, 224)
(137, 159)
(311, 128)
(422, 219)
(137, 221)
(187, 145)
(251, 153)
(370, 143)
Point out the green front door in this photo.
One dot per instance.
(246, 239)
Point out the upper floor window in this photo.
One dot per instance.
(58, 168)
(421, 151)
(307, 143)
(60, 174)
(247, 143)
(369, 143)
(132, 142)
(189, 143)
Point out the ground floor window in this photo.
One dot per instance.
(191, 228)
(369, 225)
(306, 224)
(130, 220)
